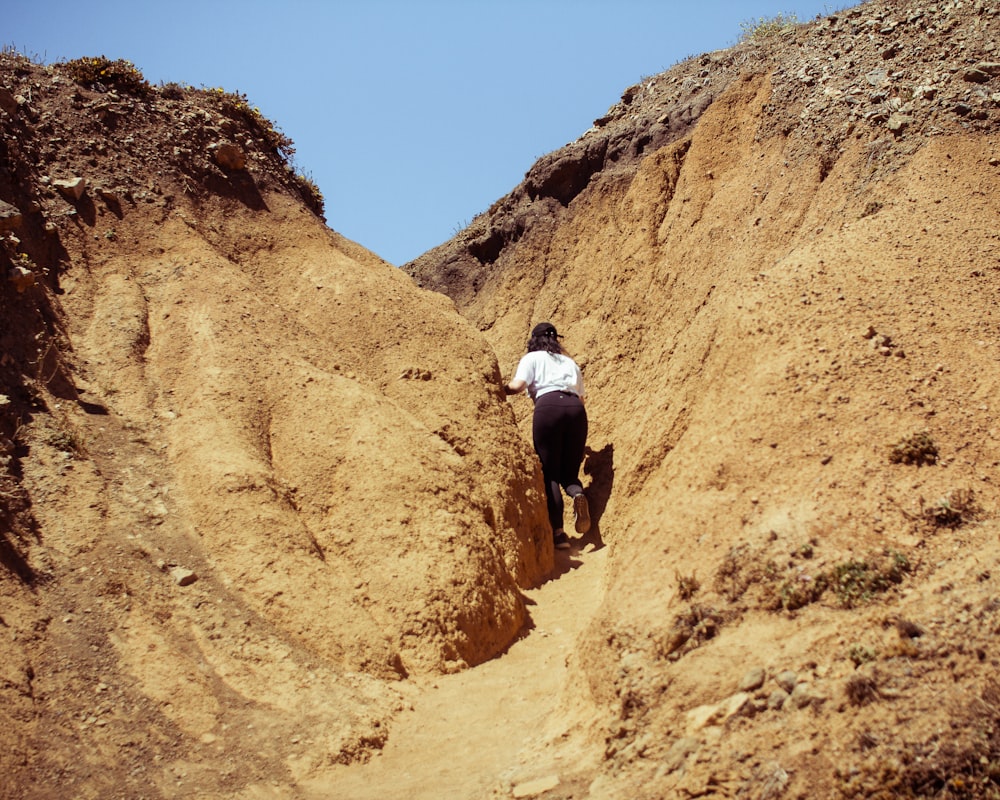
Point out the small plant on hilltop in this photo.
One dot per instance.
(742, 568)
(764, 27)
(690, 629)
(310, 191)
(172, 90)
(856, 582)
(861, 689)
(800, 591)
(236, 105)
(918, 448)
(102, 73)
(860, 654)
(66, 441)
(951, 511)
(19, 61)
(687, 586)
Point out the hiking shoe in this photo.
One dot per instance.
(581, 513)
(561, 540)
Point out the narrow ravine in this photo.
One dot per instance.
(506, 723)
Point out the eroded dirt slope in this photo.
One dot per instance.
(253, 477)
(779, 264)
(263, 502)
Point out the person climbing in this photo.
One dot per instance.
(559, 424)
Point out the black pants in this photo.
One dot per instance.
(559, 431)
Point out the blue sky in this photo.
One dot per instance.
(411, 117)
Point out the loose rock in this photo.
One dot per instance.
(801, 695)
(10, 217)
(182, 576)
(679, 752)
(536, 787)
(228, 156)
(786, 680)
(22, 277)
(72, 188)
(753, 680)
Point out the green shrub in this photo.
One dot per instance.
(853, 582)
(856, 582)
(798, 592)
(860, 654)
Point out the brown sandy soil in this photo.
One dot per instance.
(271, 529)
(512, 724)
(250, 490)
(773, 309)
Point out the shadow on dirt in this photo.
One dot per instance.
(238, 185)
(600, 466)
(13, 561)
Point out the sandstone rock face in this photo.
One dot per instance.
(8, 102)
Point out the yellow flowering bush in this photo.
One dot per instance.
(102, 72)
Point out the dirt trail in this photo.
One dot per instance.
(466, 733)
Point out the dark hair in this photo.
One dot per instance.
(547, 341)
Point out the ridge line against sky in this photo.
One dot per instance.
(410, 117)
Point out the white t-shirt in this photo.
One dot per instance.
(549, 372)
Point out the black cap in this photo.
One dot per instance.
(544, 329)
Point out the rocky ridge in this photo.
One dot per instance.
(891, 69)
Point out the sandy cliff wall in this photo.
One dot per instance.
(773, 302)
(253, 476)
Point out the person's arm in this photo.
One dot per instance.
(516, 386)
